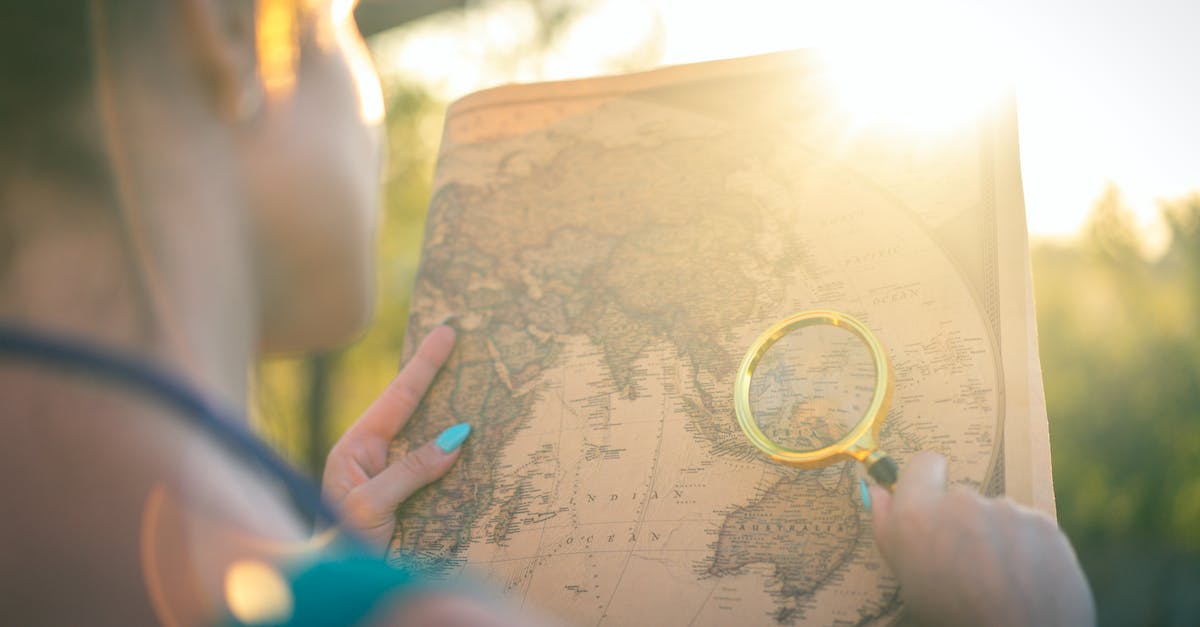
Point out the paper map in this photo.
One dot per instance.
(613, 245)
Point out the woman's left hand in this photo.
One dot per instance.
(358, 479)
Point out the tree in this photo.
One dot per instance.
(1120, 350)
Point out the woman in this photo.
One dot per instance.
(190, 183)
(185, 184)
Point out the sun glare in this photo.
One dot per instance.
(924, 89)
(1091, 110)
(914, 75)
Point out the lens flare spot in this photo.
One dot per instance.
(257, 593)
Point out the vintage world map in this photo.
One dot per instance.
(611, 250)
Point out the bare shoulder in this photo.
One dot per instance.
(128, 502)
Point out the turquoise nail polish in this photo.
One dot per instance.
(866, 495)
(452, 438)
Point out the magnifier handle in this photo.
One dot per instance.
(883, 470)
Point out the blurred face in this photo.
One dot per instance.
(313, 158)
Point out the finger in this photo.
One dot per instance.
(922, 483)
(920, 488)
(399, 400)
(881, 504)
(415, 470)
(881, 511)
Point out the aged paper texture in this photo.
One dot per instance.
(613, 245)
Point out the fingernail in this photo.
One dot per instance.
(866, 494)
(452, 438)
(450, 319)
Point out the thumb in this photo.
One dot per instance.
(415, 470)
(920, 488)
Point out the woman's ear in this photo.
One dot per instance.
(219, 36)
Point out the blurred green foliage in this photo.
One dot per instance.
(1120, 352)
(1120, 349)
(1121, 358)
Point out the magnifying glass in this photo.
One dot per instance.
(813, 390)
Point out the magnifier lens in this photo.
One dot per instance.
(812, 387)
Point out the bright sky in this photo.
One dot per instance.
(1108, 90)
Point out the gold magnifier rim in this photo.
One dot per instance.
(860, 441)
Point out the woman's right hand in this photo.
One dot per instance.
(964, 559)
(359, 478)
